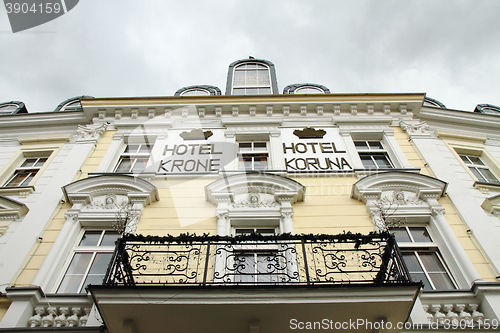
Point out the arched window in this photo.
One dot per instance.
(251, 77)
(306, 88)
(195, 92)
(71, 104)
(198, 90)
(309, 90)
(433, 102)
(12, 108)
(487, 109)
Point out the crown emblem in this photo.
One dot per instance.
(309, 133)
(196, 134)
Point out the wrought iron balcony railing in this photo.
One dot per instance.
(256, 260)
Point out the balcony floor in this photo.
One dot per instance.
(234, 308)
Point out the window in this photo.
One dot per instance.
(258, 261)
(253, 155)
(251, 79)
(134, 159)
(195, 92)
(90, 260)
(373, 155)
(8, 108)
(25, 173)
(308, 90)
(479, 168)
(423, 259)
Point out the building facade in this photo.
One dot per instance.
(257, 211)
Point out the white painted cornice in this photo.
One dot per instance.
(82, 191)
(282, 188)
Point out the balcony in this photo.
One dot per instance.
(266, 281)
(256, 260)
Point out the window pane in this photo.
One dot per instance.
(401, 235)
(420, 234)
(90, 238)
(40, 162)
(21, 178)
(92, 279)
(412, 263)
(110, 238)
(260, 162)
(101, 262)
(361, 144)
(375, 145)
(29, 162)
(79, 264)
(259, 146)
(382, 161)
(417, 277)
(367, 162)
(266, 267)
(239, 79)
(488, 175)
(239, 91)
(441, 281)
(476, 160)
(144, 149)
(251, 91)
(266, 232)
(245, 163)
(70, 284)
(264, 91)
(245, 146)
(140, 164)
(431, 262)
(478, 175)
(124, 165)
(465, 159)
(263, 77)
(243, 231)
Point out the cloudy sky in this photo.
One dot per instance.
(448, 49)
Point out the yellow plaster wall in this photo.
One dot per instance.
(328, 208)
(182, 208)
(411, 153)
(41, 249)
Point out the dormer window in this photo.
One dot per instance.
(199, 90)
(251, 77)
(306, 88)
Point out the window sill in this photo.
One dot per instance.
(21, 191)
(485, 187)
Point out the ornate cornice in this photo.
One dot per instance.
(89, 132)
(412, 128)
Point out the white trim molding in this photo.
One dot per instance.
(96, 201)
(413, 198)
(254, 195)
(10, 210)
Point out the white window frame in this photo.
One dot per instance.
(374, 152)
(417, 248)
(31, 171)
(133, 156)
(253, 153)
(188, 91)
(84, 249)
(478, 167)
(242, 68)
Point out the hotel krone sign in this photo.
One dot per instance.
(203, 151)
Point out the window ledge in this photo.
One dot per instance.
(485, 187)
(21, 191)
